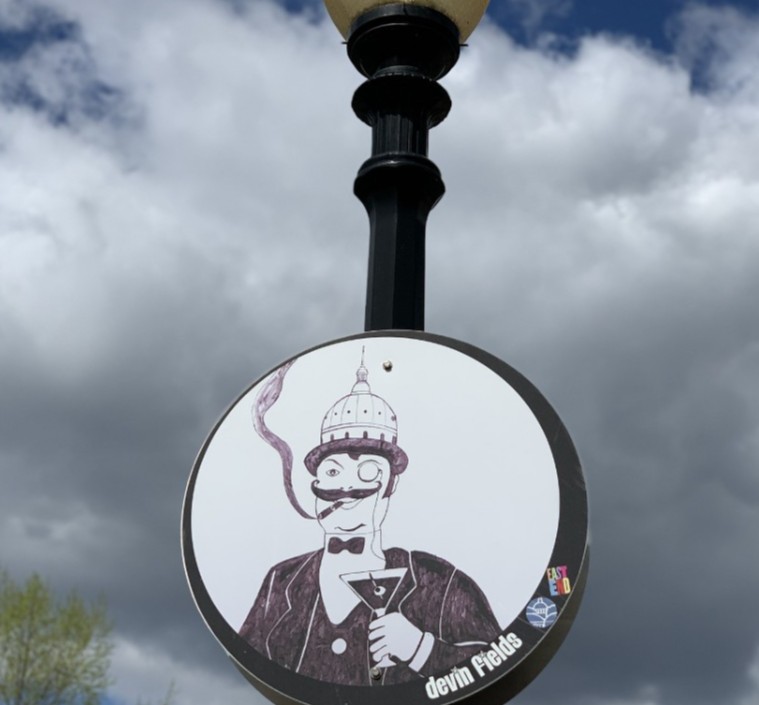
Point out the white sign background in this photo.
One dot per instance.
(480, 489)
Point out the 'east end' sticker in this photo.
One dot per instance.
(558, 581)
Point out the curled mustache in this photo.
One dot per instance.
(337, 495)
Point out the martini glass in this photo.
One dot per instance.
(375, 588)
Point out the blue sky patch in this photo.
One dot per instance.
(44, 27)
(79, 91)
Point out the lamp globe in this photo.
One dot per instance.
(465, 14)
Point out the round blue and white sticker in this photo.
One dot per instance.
(541, 612)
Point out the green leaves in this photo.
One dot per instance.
(52, 652)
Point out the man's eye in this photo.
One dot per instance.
(332, 472)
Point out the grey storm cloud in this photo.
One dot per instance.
(177, 218)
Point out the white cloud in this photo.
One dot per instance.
(15, 14)
(719, 42)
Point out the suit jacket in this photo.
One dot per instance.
(288, 624)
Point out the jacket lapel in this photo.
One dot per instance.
(286, 639)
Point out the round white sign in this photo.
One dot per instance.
(390, 516)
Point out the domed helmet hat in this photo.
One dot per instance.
(358, 423)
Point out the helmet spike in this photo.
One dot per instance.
(362, 376)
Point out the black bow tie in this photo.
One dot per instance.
(354, 545)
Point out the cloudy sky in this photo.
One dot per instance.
(176, 217)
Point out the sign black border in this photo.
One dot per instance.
(284, 687)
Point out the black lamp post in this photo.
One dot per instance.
(403, 49)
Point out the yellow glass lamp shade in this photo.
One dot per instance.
(465, 14)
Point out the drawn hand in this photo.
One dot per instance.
(393, 635)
